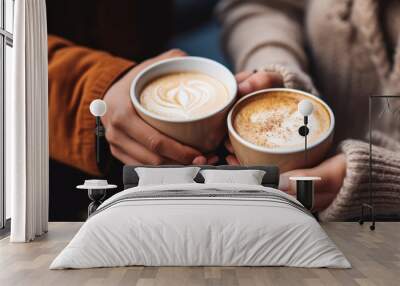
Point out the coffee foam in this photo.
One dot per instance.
(184, 95)
(272, 120)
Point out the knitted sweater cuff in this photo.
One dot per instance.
(293, 78)
(355, 189)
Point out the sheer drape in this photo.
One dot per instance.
(27, 125)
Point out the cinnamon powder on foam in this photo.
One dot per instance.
(272, 120)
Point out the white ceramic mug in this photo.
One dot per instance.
(204, 133)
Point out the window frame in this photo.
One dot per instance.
(6, 39)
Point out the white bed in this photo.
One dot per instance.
(221, 225)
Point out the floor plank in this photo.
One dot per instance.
(375, 257)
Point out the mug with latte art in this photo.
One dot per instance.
(264, 129)
(187, 99)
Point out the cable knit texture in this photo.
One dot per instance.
(385, 180)
(345, 49)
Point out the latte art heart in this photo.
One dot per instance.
(184, 95)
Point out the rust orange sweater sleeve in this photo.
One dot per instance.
(77, 75)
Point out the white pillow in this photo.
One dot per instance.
(248, 177)
(166, 176)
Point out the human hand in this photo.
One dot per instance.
(332, 171)
(131, 139)
(231, 158)
(249, 82)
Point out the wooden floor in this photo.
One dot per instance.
(375, 257)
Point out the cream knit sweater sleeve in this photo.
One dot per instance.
(385, 180)
(267, 35)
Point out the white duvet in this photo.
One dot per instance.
(188, 231)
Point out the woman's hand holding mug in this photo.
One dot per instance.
(131, 139)
(326, 189)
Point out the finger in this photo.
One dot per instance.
(288, 186)
(232, 160)
(228, 146)
(135, 150)
(209, 160)
(242, 76)
(284, 183)
(260, 80)
(123, 157)
(126, 159)
(212, 159)
(200, 160)
(157, 142)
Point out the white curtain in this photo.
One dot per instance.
(27, 124)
